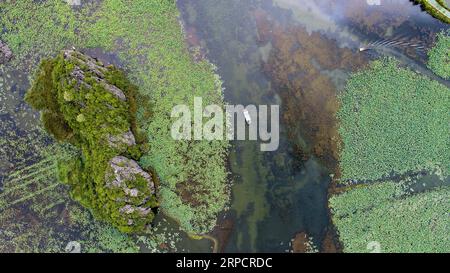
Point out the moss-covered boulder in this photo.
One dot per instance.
(93, 107)
(133, 188)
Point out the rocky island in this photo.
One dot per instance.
(92, 107)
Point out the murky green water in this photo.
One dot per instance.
(278, 194)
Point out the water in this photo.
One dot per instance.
(297, 54)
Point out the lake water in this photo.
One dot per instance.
(297, 54)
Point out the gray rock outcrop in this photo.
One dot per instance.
(123, 172)
(5, 53)
(95, 67)
(123, 141)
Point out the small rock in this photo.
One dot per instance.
(122, 141)
(5, 53)
(124, 169)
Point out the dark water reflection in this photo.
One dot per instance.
(278, 194)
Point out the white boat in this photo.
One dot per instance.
(247, 117)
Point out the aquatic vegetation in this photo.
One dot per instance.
(396, 220)
(29, 183)
(439, 56)
(393, 121)
(89, 105)
(436, 9)
(36, 29)
(33, 194)
(193, 175)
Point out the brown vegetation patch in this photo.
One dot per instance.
(297, 66)
(300, 243)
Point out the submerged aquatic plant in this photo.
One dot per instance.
(439, 56)
(398, 221)
(36, 29)
(393, 121)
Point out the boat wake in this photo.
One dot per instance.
(399, 42)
